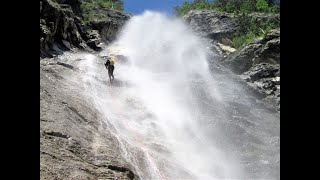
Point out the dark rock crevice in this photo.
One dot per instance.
(78, 114)
(130, 174)
(65, 65)
(57, 134)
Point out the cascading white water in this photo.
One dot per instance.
(160, 101)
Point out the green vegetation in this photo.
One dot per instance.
(249, 28)
(94, 17)
(93, 9)
(89, 5)
(231, 6)
(195, 5)
(54, 4)
(262, 6)
(43, 27)
(239, 41)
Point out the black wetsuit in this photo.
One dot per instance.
(110, 69)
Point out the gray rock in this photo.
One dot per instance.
(94, 40)
(210, 24)
(60, 22)
(109, 27)
(265, 78)
(263, 70)
(241, 60)
(273, 34)
(266, 50)
(220, 26)
(270, 53)
(259, 65)
(75, 140)
(57, 24)
(67, 44)
(74, 4)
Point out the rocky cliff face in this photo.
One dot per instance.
(266, 50)
(75, 140)
(74, 4)
(219, 26)
(57, 29)
(111, 25)
(265, 79)
(62, 28)
(257, 63)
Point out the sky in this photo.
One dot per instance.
(138, 6)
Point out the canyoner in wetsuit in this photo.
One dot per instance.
(110, 66)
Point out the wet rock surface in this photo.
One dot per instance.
(257, 64)
(75, 140)
(266, 50)
(265, 78)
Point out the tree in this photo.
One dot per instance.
(275, 8)
(248, 6)
(185, 8)
(231, 6)
(118, 4)
(262, 6)
(200, 1)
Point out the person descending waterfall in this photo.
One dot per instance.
(109, 64)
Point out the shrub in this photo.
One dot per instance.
(231, 6)
(262, 6)
(92, 8)
(249, 28)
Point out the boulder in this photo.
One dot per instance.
(266, 50)
(241, 60)
(109, 27)
(265, 79)
(94, 40)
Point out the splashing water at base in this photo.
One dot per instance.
(166, 105)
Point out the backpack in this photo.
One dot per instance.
(112, 61)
